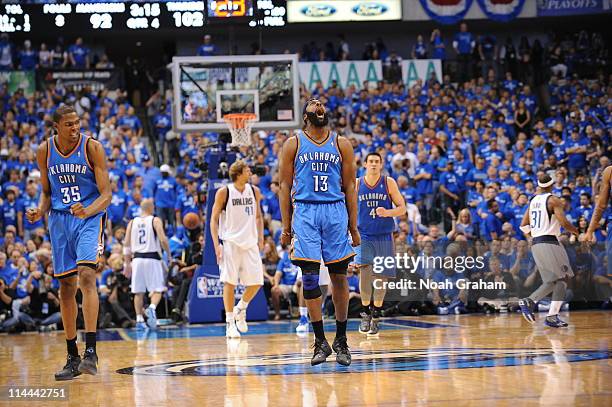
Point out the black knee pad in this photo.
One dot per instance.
(340, 267)
(310, 280)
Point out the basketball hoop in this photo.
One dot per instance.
(240, 127)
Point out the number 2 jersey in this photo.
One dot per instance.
(317, 170)
(370, 197)
(71, 176)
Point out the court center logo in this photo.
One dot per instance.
(369, 361)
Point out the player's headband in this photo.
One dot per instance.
(546, 184)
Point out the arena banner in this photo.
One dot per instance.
(344, 73)
(96, 79)
(347, 73)
(501, 10)
(16, 80)
(446, 11)
(323, 11)
(423, 69)
(554, 8)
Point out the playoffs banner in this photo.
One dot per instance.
(555, 8)
(78, 79)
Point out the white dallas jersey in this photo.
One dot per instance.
(540, 220)
(144, 239)
(238, 222)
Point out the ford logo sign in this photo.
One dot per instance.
(318, 10)
(370, 9)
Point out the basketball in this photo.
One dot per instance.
(191, 220)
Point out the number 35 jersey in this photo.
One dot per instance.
(71, 176)
(317, 170)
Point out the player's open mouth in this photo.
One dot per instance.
(320, 112)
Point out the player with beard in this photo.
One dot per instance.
(319, 210)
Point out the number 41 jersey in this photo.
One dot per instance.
(317, 170)
(71, 177)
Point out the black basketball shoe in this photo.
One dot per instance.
(343, 355)
(71, 370)
(321, 351)
(89, 364)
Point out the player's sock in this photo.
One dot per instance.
(317, 327)
(242, 304)
(376, 311)
(139, 318)
(229, 317)
(367, 309)
(90, 340)
(341, 328)
(555, 307)
(304, 311)
(71, 345)
(153, 306)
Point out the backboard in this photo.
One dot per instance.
(207, 88)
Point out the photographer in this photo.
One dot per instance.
(182, 273)
(114, 292)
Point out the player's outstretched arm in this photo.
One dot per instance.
(44, 203)
(602, 203)
(348, 183)
(220, 198)
(98, 162)
(286, 169)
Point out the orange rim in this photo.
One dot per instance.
(239, 120)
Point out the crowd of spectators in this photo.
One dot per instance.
(26, 57)
(465, 155)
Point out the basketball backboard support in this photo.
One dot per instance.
(206, 88)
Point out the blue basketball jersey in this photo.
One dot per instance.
(317, 170)
(71, 177)
(368, 199)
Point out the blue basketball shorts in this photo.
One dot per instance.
(75, 242)
(609, 248)
(320, 231)
(374, 249)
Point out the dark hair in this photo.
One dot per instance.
(374, 153)
(61, 111)
(490, 203)
(544, 179)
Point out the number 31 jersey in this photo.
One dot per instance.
(317, 170)
(71, 177)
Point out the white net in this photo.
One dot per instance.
(240, 128)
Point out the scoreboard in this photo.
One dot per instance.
(149, 16)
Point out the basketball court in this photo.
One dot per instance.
(446, 360)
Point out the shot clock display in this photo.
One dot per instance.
(127, 16)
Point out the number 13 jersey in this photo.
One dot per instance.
(71, 177)
(317, 170)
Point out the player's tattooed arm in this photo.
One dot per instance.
(286, 170)
(348, 183)
(44, 204)
(557, 207)
(398, 201)
(602, 203)
(218, 206)
(98, 162)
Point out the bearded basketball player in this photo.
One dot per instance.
(317, 169)
(602, 205)
(76, 189)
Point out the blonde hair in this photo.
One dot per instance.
(466, 211)
(236, 169)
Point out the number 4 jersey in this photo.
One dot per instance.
(71, 176)
(237, 223)
(318, 170)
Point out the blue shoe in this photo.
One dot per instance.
(554, 321)
(527, 306)
(302, 325)
(151, 318)
(456, 307)
(141, 326)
